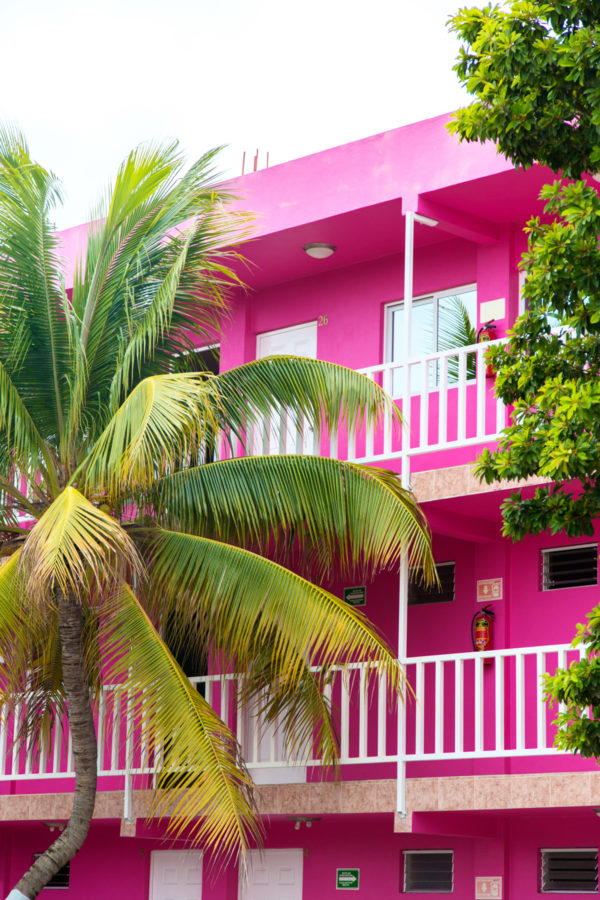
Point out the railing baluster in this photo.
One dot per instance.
(499, 703)
(479, 707)
(333, 445)
(362, 714)
(15, 744)
(255, 727)
(345, 717)
(225, 701)
(480, 388)
(115, 736)
(443, 401)
(381, 715)
(439, 706)
(459, 705)
(461, 430)
(70, 760)
(540, 668)
(387, 383)
(329, 691)
(239, 726)
(351, 442)
(369, 429)
(100, 730)
(3, 736)
(57, 749)
(424, 405)
(145, 749)
(500, 415)
(520, 700)
(420, 710)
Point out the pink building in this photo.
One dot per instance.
(461, 791)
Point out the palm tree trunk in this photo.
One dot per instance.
(83, 737)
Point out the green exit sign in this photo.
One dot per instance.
(347, 879)
(356, 596)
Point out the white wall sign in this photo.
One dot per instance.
(488, 888)
(489, 589)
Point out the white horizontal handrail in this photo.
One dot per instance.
(489, 654)
(462, 706)
(438, 355)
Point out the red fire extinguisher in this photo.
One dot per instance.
(485, 334)
(482, 629)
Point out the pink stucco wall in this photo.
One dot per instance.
(505, 845)
(355, 197)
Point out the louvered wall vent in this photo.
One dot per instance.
(569, 567)
(428, 871)
(62, 877)
(418, 593)
(569, 871)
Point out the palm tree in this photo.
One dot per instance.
(117, 521)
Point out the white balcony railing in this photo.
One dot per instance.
(452, 405)
(465, 706)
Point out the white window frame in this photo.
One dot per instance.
(547, 550)
(434, 296)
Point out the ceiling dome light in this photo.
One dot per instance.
(319, 250)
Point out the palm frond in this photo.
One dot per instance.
(25, 629)
(239, 602)
(31, 284)
(325, 394)
(303, 713)
(73, 545)
(203, 790)
(155, 252)
(25, 447)
(163, 419)
(335, 516)
(456, 330)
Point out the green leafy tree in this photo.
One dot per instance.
(117, 523)
(534, 69)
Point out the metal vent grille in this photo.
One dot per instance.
(569, 871)
(418, 593)
(428, 871)
(61, 879)
(569, 567)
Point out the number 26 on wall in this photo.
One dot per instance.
(322, 320)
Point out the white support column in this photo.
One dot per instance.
(402, 643)
(403, 592)
(409, 242)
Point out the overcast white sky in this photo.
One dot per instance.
(87, 80)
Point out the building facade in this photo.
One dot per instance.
(373, 255)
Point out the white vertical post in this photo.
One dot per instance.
(479, 708)
(439, 707)
(459, 705)
(409, 244)
(480, 388)
(540, 668)
(499, 702)
(461, 431)
(402, 643)
(520, 700)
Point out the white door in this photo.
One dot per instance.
(176, 875)
(300, 340)
(273, 875)
(283, 434)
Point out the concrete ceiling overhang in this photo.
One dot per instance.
(474, 210)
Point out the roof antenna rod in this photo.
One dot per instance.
(255, 162)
